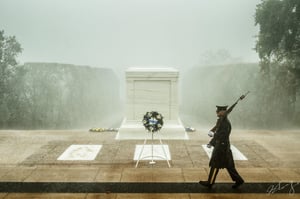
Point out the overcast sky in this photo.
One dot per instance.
(122, 33)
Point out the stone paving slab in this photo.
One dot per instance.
(31, 156)
(183, 154)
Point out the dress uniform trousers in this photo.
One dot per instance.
(232, 172)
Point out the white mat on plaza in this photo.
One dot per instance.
(80, 152)
(237, 155)
(158, 152)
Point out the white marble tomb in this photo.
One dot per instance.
(151, 89)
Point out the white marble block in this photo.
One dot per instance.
(160, 152)
(80, 152)
(151, 89)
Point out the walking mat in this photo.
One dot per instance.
(128, 187)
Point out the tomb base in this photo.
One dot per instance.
(134, 130)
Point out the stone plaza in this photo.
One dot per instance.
(33, 157)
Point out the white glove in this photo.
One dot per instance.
(211, 134)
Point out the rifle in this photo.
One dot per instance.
(227, 113)
(240, 98)
(243, 96)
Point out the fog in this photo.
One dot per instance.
(123, 33)
(210, 41)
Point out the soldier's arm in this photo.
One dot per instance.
(219, 121)
(212, 142)
(214, 129)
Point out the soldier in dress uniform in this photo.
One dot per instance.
(222, 156)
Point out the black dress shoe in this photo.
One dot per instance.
(237, 184)
(205, 183)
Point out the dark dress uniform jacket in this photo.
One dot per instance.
(222, 155)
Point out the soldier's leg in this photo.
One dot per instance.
(235, 176)
(212, 175)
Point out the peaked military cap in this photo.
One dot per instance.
(221, 108)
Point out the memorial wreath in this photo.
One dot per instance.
(153, 121)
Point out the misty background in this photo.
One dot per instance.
(71, 72)
(123, 33)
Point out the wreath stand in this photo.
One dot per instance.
(152, 162)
